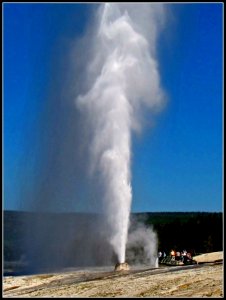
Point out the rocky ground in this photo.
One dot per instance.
(201, 280)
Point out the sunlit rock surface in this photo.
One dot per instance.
(122, 267)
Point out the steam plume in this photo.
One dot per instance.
(122, 78)
(141, 246)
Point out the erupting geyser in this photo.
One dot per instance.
(121, 77)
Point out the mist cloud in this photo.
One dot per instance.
(123, 79)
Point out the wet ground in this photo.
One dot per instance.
(204, 280)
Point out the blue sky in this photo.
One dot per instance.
(177, 164)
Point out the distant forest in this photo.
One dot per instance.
(198, 232)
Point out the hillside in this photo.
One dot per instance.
(67, 239)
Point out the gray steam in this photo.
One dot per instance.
(95, 102)
(122, 79)
(142, 246)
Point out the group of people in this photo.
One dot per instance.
(161, 255)
(182, 256)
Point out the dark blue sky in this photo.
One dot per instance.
(177, 164)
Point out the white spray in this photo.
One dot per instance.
(142, 245)
(121, 77)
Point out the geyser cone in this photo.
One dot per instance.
(122, 267)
